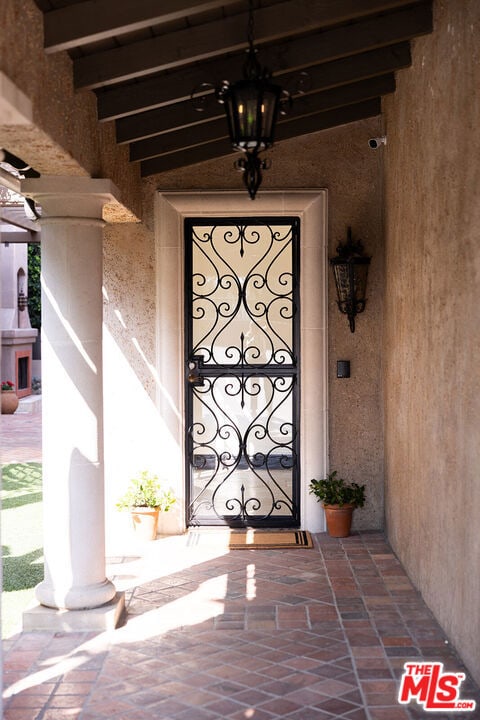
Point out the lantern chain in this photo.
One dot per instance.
(250, 27)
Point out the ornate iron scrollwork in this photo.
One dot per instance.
(241, 371)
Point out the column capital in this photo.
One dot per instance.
(71, 196)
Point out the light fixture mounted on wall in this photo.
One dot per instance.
(22, 301)
(252, 106)
(350, 270)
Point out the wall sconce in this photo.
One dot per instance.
(350, 270)
(22, 301)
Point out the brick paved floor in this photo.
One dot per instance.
(310, 634)
(20, 438)
(247, 635)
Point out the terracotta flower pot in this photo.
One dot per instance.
(339, 519)
(145, 522)
(9, 402)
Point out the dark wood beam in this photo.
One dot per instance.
(303, 126)
(156, 122)
(322, 77)
(26, 236)
(331, 118)
(292, 55)
(306, 105)
(179, 140)
(93, 20)
(16, 216)
(217, 38)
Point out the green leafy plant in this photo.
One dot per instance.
(34, 287)
(7, 385)
(333, 490)
(146, 491)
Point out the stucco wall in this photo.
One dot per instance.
(432, 388)
(62, 136)
(133, 428)
(341, 161)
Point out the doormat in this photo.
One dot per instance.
(250, 539)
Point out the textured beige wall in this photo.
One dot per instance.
(134, 432)
(64, 137)
(129, 296)
(432, 387)
(341, 161)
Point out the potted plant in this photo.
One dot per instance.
(339, 500)
(9, 398)
(145, 498)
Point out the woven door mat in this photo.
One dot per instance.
(250, 539)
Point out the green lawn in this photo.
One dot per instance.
(22, 540)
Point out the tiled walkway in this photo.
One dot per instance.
(21, 437)
(310, 634)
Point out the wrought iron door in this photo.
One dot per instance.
(241, 371)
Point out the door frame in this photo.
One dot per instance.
(311, 207)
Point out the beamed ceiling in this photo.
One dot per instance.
(143, 59)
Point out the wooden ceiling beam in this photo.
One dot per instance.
(331, 44)
(328, 119)
(322, 77)
(16, 216)
(213, 39)
(179, 140)
(164, 120)
(26, 236)
(307, 105)
(93, 20)
(302, 126)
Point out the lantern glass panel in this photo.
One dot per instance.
(342, 281)
(251, 108)
(268, 112)
(351, 279)
(360, 272)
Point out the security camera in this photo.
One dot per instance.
(375, 143)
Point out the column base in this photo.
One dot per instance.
(99, 619)
(84, 597)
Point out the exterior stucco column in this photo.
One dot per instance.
(72, 391)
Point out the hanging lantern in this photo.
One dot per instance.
(350, 270)
(252, 106)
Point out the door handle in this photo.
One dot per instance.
(194, 378)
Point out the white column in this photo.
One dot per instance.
(72, 390)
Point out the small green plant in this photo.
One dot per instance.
(334, 491)
(7, 386)
(146, 491)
